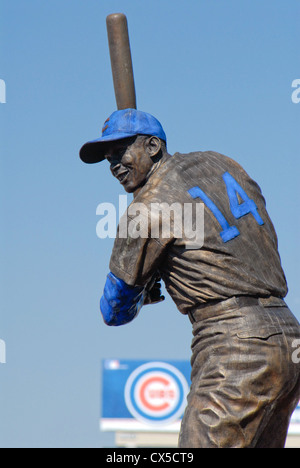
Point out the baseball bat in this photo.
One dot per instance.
(121, 62)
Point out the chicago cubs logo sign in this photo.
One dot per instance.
(155, 393)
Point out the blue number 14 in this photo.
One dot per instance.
(238, 209)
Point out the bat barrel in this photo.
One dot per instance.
(121, 62)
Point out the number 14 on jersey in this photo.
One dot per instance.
(238, 209)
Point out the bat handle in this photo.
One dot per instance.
(121, 62)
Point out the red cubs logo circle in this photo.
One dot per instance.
(156, 393)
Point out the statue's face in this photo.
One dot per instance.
(130, 162)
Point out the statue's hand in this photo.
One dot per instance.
(153, 291)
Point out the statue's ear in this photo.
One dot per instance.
(153, 146)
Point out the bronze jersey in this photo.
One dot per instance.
(239, 252)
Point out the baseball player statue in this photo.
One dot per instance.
(245, 384)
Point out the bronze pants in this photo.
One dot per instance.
(245, 385)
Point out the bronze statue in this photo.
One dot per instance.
(219, 261)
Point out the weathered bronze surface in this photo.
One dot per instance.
(245, 384)
(121, 62)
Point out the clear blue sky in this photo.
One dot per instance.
(218, 75)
